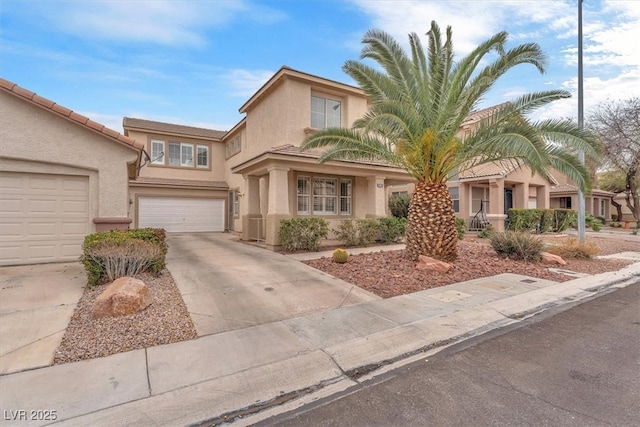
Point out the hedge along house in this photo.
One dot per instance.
(181, 186)
(62, 176)
(275, 180)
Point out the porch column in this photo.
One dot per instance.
(376, 206)
(521, 196)
(252, 202)
(496, 215)
(542, 198)
(278, 203)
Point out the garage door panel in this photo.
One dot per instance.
(181, 214)
(44, 217)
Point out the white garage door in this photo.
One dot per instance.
(43, 218)
(181, 215)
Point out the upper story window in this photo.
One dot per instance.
(233, 146)
(180, 154)
(325, 112)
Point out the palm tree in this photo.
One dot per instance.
(418, 104)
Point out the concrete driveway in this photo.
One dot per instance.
(36, 304)
(229, 285)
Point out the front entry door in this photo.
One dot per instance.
(508, 199)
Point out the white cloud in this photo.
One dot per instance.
(162, 22)
(245, 83)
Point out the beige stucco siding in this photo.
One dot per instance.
(37, 140)
(215, 171)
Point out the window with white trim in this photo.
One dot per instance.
(325, 112)
(324, 195)
(157, 152)
(180, 154)
(454, 192)
(203, 156)
(233, 146)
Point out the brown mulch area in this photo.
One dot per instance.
(165, 321)
(389, 274)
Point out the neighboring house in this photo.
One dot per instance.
(260, 165)
(62, 176)
(484, 194)
(565, 196)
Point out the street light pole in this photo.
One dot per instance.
(581, 204)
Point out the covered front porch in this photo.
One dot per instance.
(286, 183)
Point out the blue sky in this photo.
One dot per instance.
(197, 62)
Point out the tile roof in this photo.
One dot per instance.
(213, 185)
(68, 114)
(292, 150)
(490, 169)
(476, 116)
(131, 123)
(568, 188)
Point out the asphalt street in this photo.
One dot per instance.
(576, 367)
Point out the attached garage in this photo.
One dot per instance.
(44, 218)
(62, 176)
(181, 214)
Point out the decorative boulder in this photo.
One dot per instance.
(551, 259)
(123, 297)
(426, 263)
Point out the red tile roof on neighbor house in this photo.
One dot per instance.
(68, 114)
(170, 128)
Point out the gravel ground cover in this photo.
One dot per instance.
(386, 274)
(165, 321)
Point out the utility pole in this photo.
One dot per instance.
(581, 205)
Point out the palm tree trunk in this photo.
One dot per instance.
(431, 229)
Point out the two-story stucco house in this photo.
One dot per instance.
(256, 167)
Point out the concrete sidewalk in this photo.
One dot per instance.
(193, 381)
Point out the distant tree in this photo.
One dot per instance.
(617, 124)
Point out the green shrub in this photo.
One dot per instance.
(361, 233)
(302, 233)
(592, 222)
(563, 219)
(532, 220)
(461, 227)
(399, 205)
(106, 243)
(392, 229)
(517, 245)
(486, 232)
(575, 250)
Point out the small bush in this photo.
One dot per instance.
(361, 233)
(593, 222)
(486, 232)
(461, 227)
(126, 258)
(563, 219)
(572, 249)
(108, 241)
(517, 245)
(399, 205)
(531, 220)
(392, 229)
(340, 256)
(302, 233)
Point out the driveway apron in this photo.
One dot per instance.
(228, 285)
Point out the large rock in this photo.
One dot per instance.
(427, 263)
(123, 297)
(551, 259)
